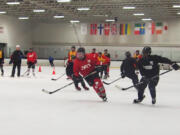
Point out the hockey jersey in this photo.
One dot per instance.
(94, 55)
(103, 60)
(149, 66)
(31, 57)
(85, 66)
(71, 54)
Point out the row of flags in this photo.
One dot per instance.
(126, 29)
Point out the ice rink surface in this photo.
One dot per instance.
(26, 110)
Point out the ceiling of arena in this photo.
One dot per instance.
(100, 10)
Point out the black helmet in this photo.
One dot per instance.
(73, 47)
(100, 53)
(146, 50)
(128, 54)
(81, 49)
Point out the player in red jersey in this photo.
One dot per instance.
(93, 53)
(85, 65)
(31, 60)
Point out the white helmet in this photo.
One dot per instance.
(17, 46)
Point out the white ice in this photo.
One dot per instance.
(26, 110)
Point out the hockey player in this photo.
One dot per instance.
(104, 62)
(69, 73)
(137, 55)
(72, 53)
(31, 61)
(51, 61)
(16, 60)
(109, 56)
(1, 61)
(93, 53)
(128, 68)
(149, 68)
(85, 65)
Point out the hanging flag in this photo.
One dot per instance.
(139, 29)
(165, 26)
(84, 29)
(114, 29)
(125, 29)
(159, 28)
(121, 32)
(93, 30)
(153, 28)
(100, 27)
(1, 29)
(106, 29)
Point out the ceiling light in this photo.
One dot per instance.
(83, 9)
(3, 12)
(58, 16)
(74, 21)
(128, 7)
(38, 10)
(23, 18)
(110, 20)
(146, 19)
(13, 3)
(176, 6)
(138, 14)
(63, 1)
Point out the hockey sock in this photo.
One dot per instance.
(99, 88)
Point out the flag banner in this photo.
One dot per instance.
(139, 29)
(106, 29)
(114, 29)
(93, 29)
(165, 27)
(84, 29)
(125, 29)
(100, 29)
(153, 28)
(1, 29)
(158, 28)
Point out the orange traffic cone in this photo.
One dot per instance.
(54, 71)
(40, 69)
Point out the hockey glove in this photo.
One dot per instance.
(175, 66)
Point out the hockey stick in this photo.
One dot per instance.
(24, 74)
(149, 80)
(112, 81)
(53, 79)
(51, 92)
